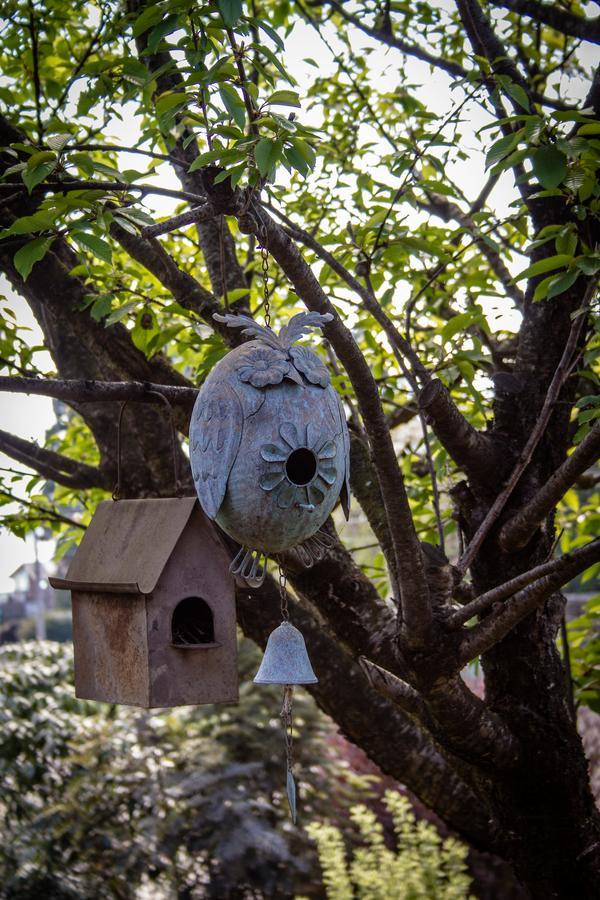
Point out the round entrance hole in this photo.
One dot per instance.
(192, 623)
(301, 466)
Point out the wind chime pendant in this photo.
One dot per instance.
(286, 662)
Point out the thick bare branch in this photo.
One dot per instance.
(487, 44)
(51, 465)
(560, 375)
(451, 712)
(519, 530)
(482, 603)
(89, 391)
(470, 449)
(558, 18)
(497, 625)
(397, 690)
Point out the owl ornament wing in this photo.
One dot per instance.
(215, 435)
(339, 416)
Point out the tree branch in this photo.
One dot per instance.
(185, 289)
(203, 213)
(553, 15)
(452, 713)
(90, 391)
(497, 625)
(53, 466)
(46, 512)
(398, 342)
(482, 603)
(518, 531)
(561, 374)
(486, 43)
(470, 449)
(63, 187)
(386, 37)
(446, 210)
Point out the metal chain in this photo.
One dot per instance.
(283, 597)
(288, 725)
(265, 274)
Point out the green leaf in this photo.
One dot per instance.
(296, 160)
(39, 221)
(501, 148)
(26, 257)
(58, 141)
(162, 30)
(231, 10)
(233, 104)
(101, 307)
(589, 264)
(150, 16)
(100, 248)
(305, 151)
(518, 94)
(549, 166)
(267, 153)
(168, 101)
(32, 177)
(459, 323)
(592, 128)
(562, 283)
(545, 265)
(284, 98)
(203, 159)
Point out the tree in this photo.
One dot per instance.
(362, 217)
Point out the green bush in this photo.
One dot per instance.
(422, 867)
(98, 801)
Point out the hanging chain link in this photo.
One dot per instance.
(288, 725)
(283, 597)
(264, 253)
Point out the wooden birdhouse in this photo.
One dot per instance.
(153, 607)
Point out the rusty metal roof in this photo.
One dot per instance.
(127, 545)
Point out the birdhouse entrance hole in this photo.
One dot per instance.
(301, 466)
(192, 624)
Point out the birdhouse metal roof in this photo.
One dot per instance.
(127, 545)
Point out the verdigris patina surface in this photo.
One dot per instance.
(269, 445)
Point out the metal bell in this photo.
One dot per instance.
(286, 660)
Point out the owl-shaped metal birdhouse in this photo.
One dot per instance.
(269, 445)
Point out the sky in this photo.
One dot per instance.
(30, 417)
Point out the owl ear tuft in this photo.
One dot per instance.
(300, 324)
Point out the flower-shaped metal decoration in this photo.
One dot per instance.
(266, 366)
(309, 364)
(300, 470)
(269, 445)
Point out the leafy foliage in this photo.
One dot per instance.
(422, 866)
(98, 801)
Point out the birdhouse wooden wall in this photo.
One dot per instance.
(153, 607)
